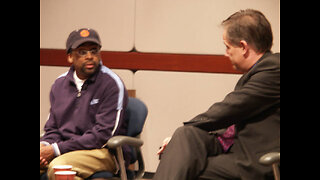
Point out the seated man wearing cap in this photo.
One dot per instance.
(87, 109)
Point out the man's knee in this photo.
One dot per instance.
(184, 129)
(187, 131)
(58, 161)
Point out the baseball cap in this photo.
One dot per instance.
(80, 36)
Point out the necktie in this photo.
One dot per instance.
(226, 139)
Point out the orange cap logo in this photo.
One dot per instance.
(84, 33)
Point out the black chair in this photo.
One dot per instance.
(136, 113)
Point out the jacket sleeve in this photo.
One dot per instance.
(52, 134)
(108, 122)
(258, 94)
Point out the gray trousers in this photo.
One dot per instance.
(194, 154)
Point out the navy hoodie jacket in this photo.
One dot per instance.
(88, 119)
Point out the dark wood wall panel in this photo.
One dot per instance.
(148, 61)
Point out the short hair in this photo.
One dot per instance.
(249, 25)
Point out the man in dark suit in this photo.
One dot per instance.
(251, 113)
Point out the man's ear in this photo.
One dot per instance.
(70, 59)
(245, 47)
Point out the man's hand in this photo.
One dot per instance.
(164, 145)
(43, 163)
(46, 155)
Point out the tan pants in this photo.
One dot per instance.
(84, 162)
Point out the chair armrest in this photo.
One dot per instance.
(270, 158)
(118, 141)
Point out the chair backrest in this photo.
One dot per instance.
(136, 113)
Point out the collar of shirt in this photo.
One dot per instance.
(77, 81)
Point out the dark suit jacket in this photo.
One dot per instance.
(254, 106)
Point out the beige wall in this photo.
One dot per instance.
(113, 19)
(193, 26)
(167, 26)
(175, 26)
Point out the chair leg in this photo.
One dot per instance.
(276, 171)
(123, 174)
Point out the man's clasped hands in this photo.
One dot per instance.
(46, 155)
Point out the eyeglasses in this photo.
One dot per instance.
(83, 52)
